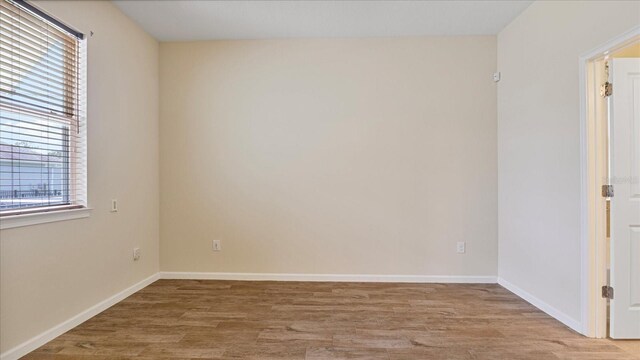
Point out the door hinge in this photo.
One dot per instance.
(607, 292)
(606, 89)
(607, 191)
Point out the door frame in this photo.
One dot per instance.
(592, 208)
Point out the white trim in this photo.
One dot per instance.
(14, 221)
(39, 340)
(585, 261)
(550, 310)
(592, 325)
(329, 277)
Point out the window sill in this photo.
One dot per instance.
(14, 221)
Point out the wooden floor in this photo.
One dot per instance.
(288, 320)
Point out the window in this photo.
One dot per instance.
(42, 112)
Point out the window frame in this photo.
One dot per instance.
(74, 164)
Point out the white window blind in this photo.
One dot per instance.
(42, 112)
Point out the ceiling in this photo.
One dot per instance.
(186, 20)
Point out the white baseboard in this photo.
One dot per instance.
(329, 277)
(39, 340)
(550, 310)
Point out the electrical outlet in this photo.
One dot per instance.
(216, 245)
(136, 254)
(114, 205)
(461, 247)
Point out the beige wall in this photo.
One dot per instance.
(51, 272)
(343, 156)
(539, 143)
(630, 51)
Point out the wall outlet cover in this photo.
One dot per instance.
(136, 254)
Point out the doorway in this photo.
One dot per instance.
(610, 87)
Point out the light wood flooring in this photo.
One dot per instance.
(188, 319)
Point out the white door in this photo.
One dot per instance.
(625, 205)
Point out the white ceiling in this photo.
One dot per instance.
(205, 20)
